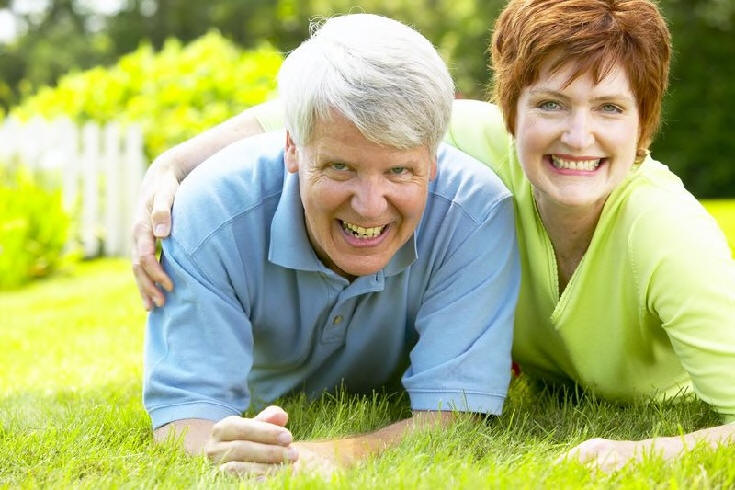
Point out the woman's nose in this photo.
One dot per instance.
(578, 134)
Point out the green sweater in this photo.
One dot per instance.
(650, 310)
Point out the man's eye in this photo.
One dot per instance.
(399, 170)
(338, 166)
(549, 105)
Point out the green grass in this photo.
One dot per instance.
(723, 211)
(71, 415)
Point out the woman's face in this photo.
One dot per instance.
(576, 143)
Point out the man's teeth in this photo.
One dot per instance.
(361, 232)
(588, 165)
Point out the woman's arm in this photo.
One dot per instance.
(477, 128)
(153, 216)
(687, 278)
(610, 455)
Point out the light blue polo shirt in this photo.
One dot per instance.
(255, 314)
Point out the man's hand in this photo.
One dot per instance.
(249, 447)
(256, 446)
(153, 221)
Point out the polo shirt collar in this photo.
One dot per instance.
(290, 246)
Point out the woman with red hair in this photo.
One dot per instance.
(628, 285)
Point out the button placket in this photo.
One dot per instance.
(335, 329)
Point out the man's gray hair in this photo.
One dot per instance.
(380, 74)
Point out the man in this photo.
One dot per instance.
(359, 248)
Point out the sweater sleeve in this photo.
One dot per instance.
(269, 115)
(688, 280)
(477, 128)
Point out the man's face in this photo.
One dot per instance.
(362, 201)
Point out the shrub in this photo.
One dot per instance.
(174, 94)
(33, 227)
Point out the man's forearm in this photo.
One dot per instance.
(349, 451)
(187, 155)
(227, 442)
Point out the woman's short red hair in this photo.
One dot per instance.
(595, 35)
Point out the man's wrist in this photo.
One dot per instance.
(342, 452)
(194, 433)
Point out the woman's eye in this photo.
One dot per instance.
(611, 108)
(549, 105)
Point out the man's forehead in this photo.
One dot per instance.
(334, 126)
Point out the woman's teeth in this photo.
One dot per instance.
(361, 232)
(587, 165)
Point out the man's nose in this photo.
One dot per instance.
(369, 199)
(578, 133)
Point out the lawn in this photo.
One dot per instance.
(71, 415)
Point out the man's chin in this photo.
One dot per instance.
(359, 267)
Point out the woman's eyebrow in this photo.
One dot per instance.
(546, 92)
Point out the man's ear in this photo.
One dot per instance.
(432, 169)
(291, 155)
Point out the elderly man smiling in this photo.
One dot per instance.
(358, 248)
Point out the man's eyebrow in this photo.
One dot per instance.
(327, 158)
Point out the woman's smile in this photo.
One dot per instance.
(580, 164)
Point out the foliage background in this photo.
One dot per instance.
(174, 93)
(72, 35)
(33, 226)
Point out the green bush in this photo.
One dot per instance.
(174, 94)
(33, 227)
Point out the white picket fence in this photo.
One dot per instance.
(99, 169)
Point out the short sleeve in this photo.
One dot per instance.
(198, 349)
(461, 360)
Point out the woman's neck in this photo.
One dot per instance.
(570, 229)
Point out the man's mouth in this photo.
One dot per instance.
(361, 232)
(585, 165)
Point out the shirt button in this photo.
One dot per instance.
(337, 320)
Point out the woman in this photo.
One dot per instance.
(628, 286)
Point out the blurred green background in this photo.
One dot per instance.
(176, 67)
(55, 37)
